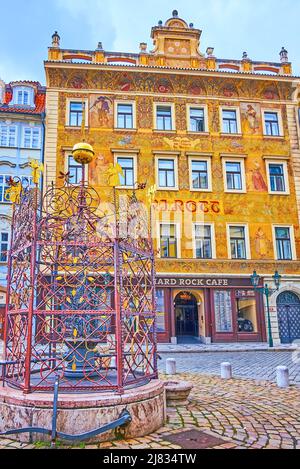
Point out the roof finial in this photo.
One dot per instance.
(55, 40)
(100, 46)
(284, 55)
(175, 14)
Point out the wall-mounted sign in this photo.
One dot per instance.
(201, 282)
(192, 206)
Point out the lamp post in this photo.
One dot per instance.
(265, 290)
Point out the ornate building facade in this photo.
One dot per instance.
(214, 136)
(22, 109)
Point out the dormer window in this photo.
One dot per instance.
(23, 96)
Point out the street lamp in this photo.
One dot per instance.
(255, 280)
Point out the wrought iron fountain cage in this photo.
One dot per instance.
(81, 294)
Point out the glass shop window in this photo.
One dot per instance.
(223, 311)
(160, 309)
(246, 315)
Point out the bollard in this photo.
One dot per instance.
(170, 366)
(282, 374)
(226, 370)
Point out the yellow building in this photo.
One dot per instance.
(214, 136)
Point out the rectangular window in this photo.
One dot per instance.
(229, 122)
(8, 136)
(197, 120)
(246, 310)
(203, 242)
(283, 243)
(4, 180)
(127, 165)
(164, 117)
(31, 138)
(238, 242)
(125, 116)
(277, 180)
(199, 174)
(75, 170)
(160, 308)
(4, 246)
(166, 173)
(272, 124)
(168, 241)
(223, 311)
(23, 98)
(234, 176)
(76, 112)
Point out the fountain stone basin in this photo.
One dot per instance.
(177, 392)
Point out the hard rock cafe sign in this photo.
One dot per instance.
(200, 282)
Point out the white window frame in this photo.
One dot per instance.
(6, 202)
(7, 137)
(238, 119)
(127, 155)
(8, 246)
(213, 239)
(206, 124)
(247, 240)
(23, 89)
(32, 128)
(68, 105)
(86, 172)
(166, 157)
(280, 122)
(178, 239)
(292, 238)
(243, 174)
(173, 119)
(285, 173)
(207, 159)
(133, 104)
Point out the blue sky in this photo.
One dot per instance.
(260, 27)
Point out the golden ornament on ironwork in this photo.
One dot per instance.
(83, 153)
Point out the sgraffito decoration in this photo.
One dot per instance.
(81, 299)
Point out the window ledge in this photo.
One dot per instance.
(279, 193)
(201, 190)
(75, 127)
(157, 131)
(119, 129)
(274, 137)
(224, 134)
(235, 192)
(205, 134)
(167, 189)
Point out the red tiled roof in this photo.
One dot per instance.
(39, 99)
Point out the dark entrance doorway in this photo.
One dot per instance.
(186, 313)
(288, 308)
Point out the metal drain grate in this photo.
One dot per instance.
(194, 439)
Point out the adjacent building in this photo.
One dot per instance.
(22, 112)
(215, 137)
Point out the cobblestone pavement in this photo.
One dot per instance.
(254, 365)
(244, 413)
